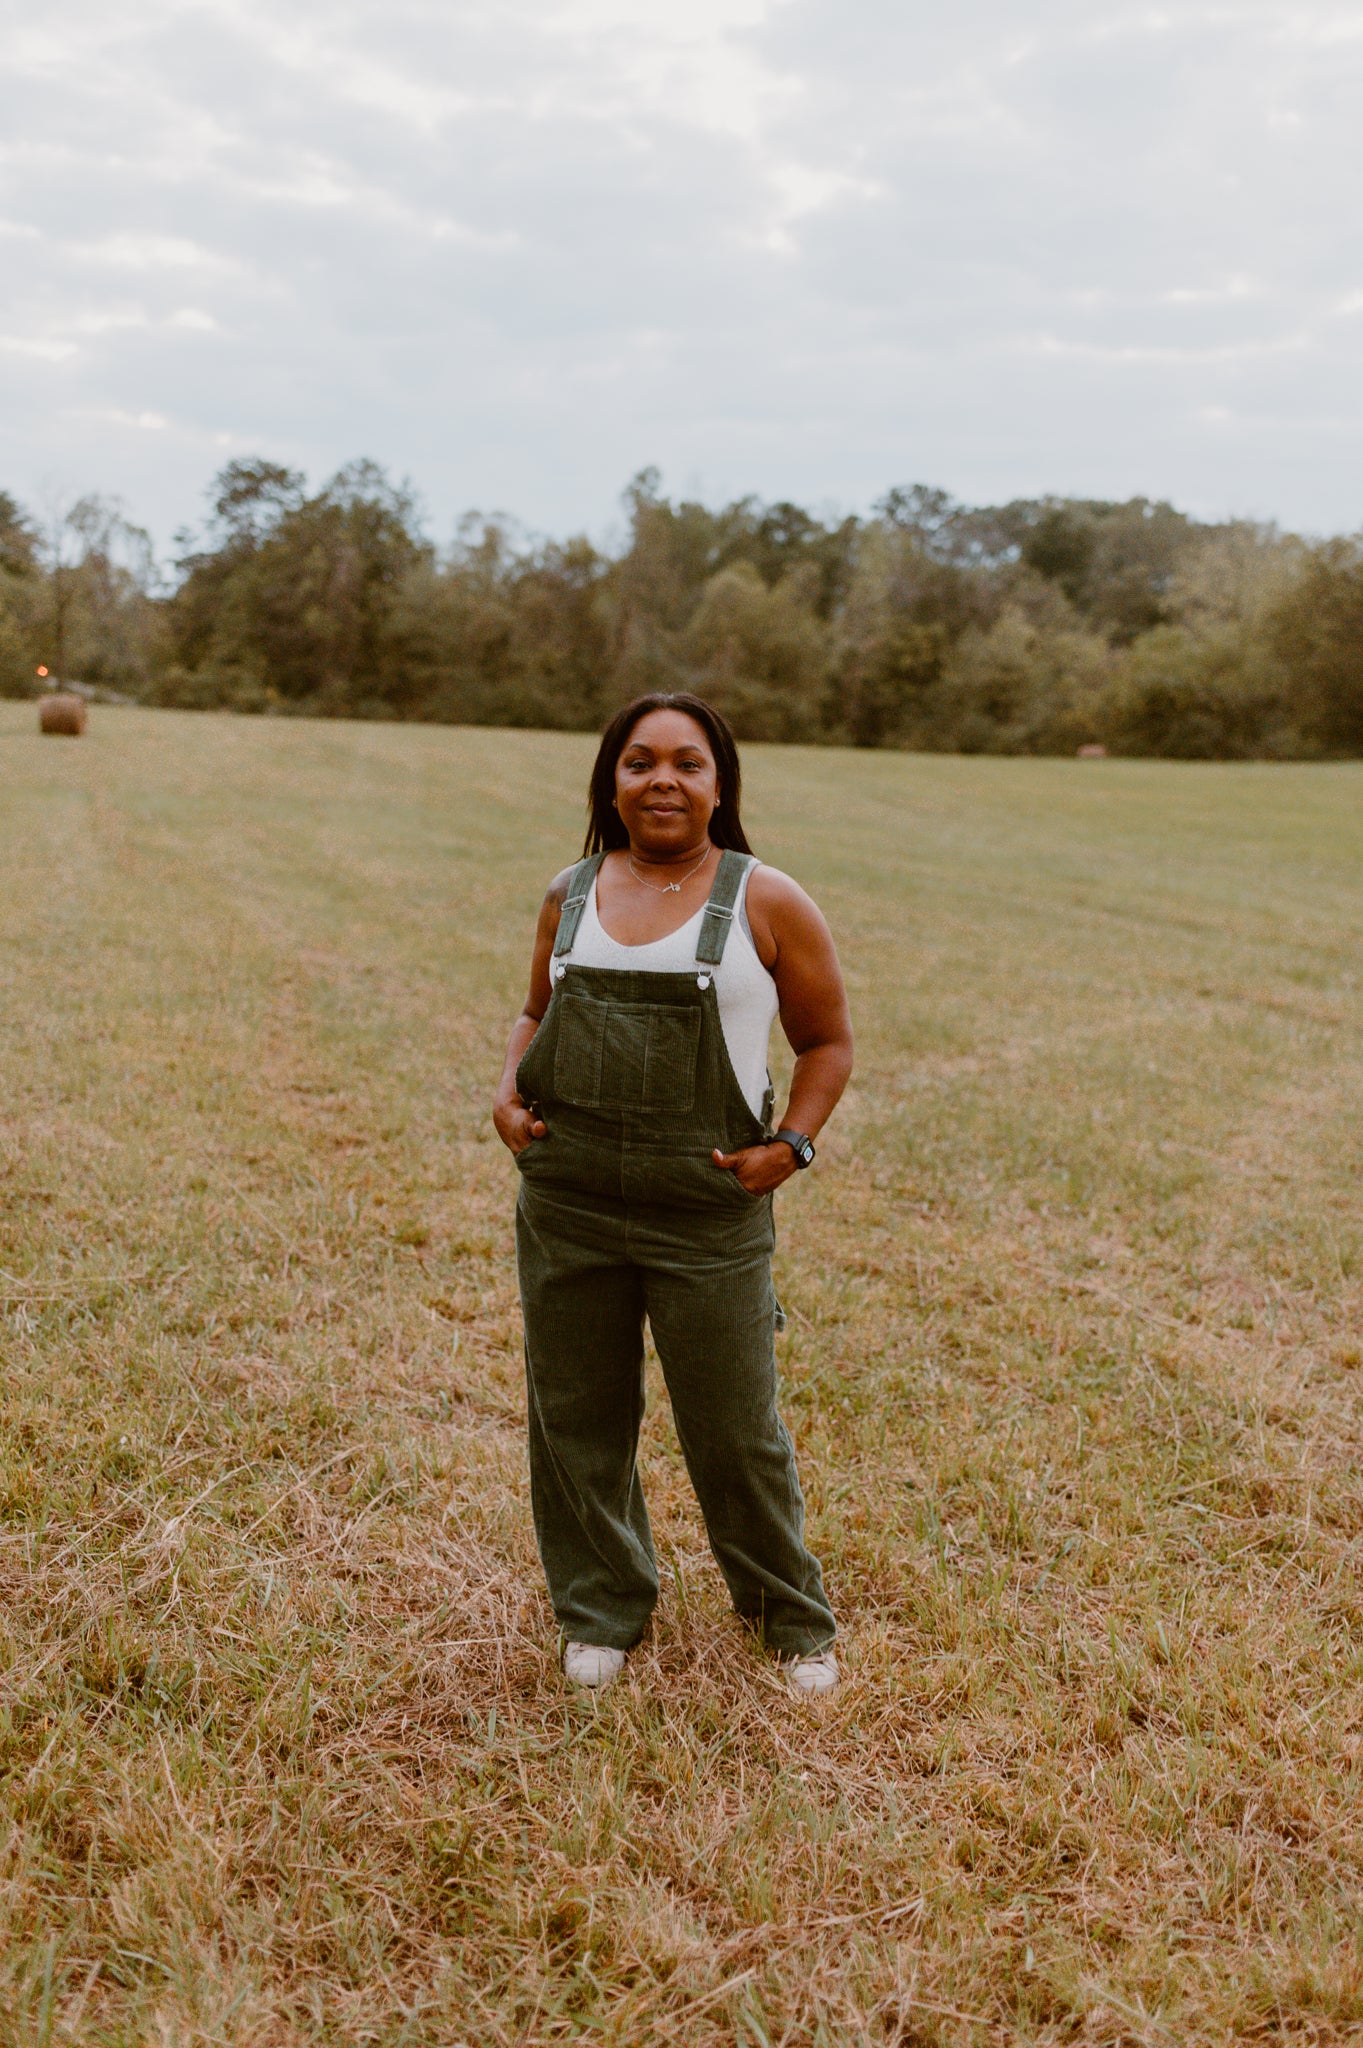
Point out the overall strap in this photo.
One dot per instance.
(719, 911)
(579, 889)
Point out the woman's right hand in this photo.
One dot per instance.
(517, 1126)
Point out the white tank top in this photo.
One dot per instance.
(746, 992)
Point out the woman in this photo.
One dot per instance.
(637, 1103)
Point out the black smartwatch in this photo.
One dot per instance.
(800, 1145)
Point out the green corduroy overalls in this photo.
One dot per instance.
(623, 1214)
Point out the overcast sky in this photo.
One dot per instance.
(519, 250)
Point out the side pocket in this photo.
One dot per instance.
(527, 1153)
(536, 1062)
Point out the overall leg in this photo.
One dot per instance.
(584, 1349)
(712, 1311)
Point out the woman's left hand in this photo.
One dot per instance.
(758, 1168)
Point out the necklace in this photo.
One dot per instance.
(667, 888)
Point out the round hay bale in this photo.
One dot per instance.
(63, 713)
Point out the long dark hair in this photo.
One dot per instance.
(605, 826)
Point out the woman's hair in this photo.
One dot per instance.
(606, 828)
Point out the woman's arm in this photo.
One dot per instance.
(796, 947)
(515, 1124)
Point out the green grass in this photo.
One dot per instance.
(1074, 1369)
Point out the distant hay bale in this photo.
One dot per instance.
(62, 713)
(1095, 752)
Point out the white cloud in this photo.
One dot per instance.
(43, 349)
(520, 250)
(1225, 292)
(152, 252)
(107, 320)
(143, 422)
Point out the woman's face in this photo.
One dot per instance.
(666, 783)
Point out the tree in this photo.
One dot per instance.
(21, 599)
(1114, 562)
(99, 619)
(1315, 630)
(293, 602)
(18, 540)
(758, 652)
(251, 496)
(1026, 685)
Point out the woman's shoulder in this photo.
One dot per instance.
(555, 896)
(780, 912)
(771, 890)
(557, 892)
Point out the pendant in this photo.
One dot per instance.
(672, 888)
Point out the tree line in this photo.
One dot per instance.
(1035, 627)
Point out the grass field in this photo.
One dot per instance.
(1075, 1370)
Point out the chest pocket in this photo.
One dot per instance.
(639, 1056)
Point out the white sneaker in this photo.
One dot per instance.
(814, 1674)
(591, 1665)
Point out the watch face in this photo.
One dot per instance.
(806, 1151)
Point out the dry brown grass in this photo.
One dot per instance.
(1075, 1371)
